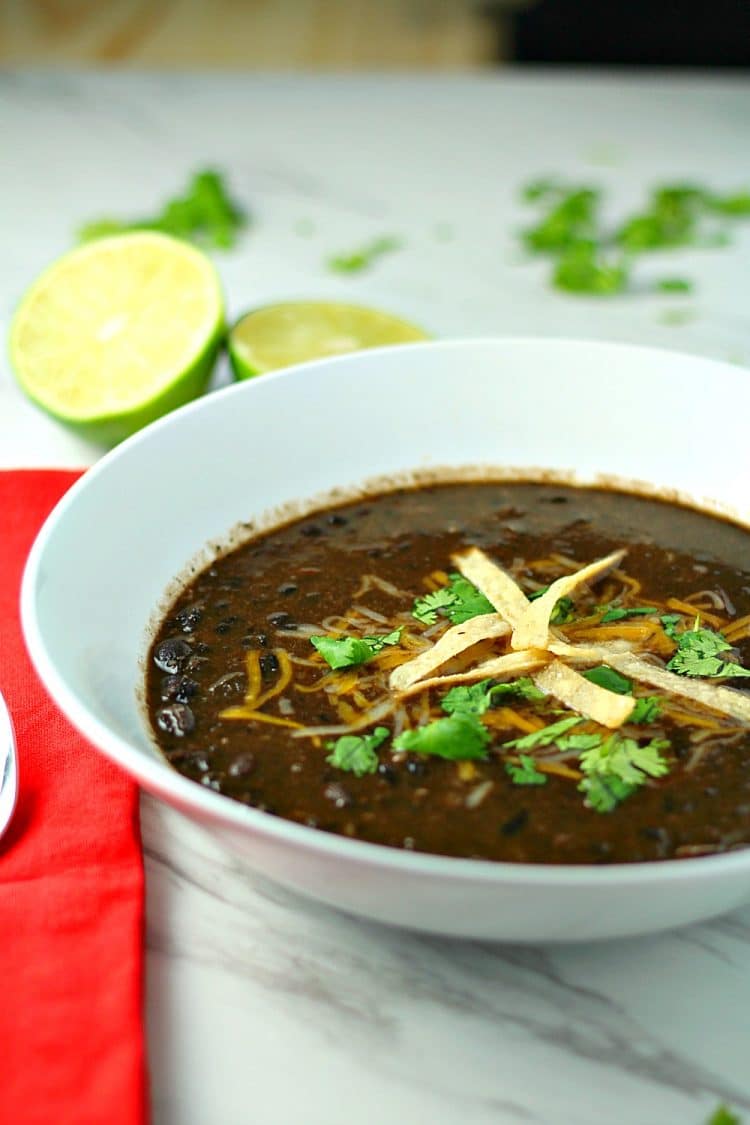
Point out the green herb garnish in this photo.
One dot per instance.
(674, 285)
(475, 699)
(583, 268)
(525, 772)
(362, 259)
(356, 753)
(616, 767)
(564, 610)
(546, 736)
(345, 652)
(459, 601)
(698, 655)
(620, 612)
(647, 710)
(460, 737)
(723, 1115)
(572, 218)
(669, 622)
(204, 214)
(606, 677)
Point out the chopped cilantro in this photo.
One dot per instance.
(674, 285)
(546, 736)
(564, 610)
(571, 219)
(355, 752)
(615, 767)
(669, 622)
(735, 205)
(620, 612)
(606, 677)
(204, 213)
(723, 1115)
(459, 601)
(362, 259)
(460, 737)
(525, 773)
(582, 269)
(647, 710)
(475, 699)
(345, 652)
(698, 655)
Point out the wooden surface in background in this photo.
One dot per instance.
(253, 34)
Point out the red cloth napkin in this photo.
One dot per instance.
(71, 887)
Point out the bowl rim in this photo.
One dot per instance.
(156, 776)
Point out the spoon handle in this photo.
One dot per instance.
(8, 767)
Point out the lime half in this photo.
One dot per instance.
(281, 335)
(118, 332)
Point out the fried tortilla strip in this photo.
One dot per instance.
(532, 629)
(728, 701)
(588, 654)
(578, 693)
(505, 667)
(495, 583)
(486, 626)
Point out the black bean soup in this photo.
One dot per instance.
(243, 702)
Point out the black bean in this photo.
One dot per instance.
(337, 793)
(172, 654)
(387, 773)
(242, 765)
(287, 588)
(176, 719)
(416, 767)
(311, 531)
(336, 520)
(178, 688)
(269, 665)
(201, 649)
(189, 617)
(191, 759)
(225, 626)
(515, 824)
(255, 640)
(281, 620)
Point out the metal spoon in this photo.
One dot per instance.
(8, 767)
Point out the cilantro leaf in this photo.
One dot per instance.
(362, 259)
(356, 753)
(525, 773)
(616, 767)
(581, 268)
(563, 611)
(572, 217)
(204, 213)
(674, 285)
(546, 736)
(698, 655)
(345, 652)
(669, 622)
(647, 710)
(620, 612)
(460, 737)
(459, 601)
(606, 677)
(723, 1115)
(475, 699)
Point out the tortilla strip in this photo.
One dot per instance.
(486, 626)
(578, 693)
(589, 654)
(728, 701)
(505, 667)
(532, 630)
(495, 583)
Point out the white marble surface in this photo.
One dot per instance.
(262, 1008)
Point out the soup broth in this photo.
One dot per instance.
(300, 674)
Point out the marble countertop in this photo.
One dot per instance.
(260, 1007)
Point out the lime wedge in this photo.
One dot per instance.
(280, 335)
(118, 332)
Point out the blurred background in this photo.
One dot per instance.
(373, 34)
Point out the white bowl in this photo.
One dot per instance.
(103, 560)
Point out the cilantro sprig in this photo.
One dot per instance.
(459, 601)
(357, 753)
(592, 259)
(205, 214)
(525, 771)
(698, 654)
(346, 652)
(460, 737)
(475, 699)
(621, 612)
(616, 767)
(355, 261)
